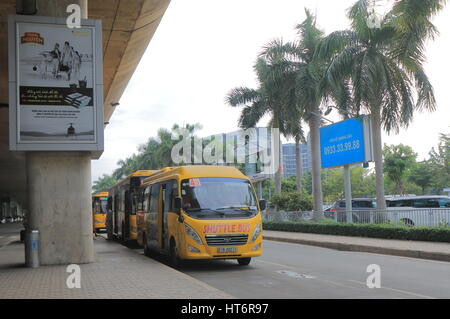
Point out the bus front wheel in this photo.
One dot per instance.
(109, 234)
(147, 251)
(244, 261)
(175, 260)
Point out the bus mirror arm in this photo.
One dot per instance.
(262, 204)
(177, 205)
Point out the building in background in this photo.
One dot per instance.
(289, 162)
(257, 161)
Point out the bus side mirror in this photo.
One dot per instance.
(177, 205)
(262, 204)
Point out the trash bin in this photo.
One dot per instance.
(32, 248)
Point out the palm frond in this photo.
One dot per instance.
(241, 96)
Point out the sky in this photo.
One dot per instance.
(204, 48)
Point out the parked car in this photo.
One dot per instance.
(429, 210)
(360, 210)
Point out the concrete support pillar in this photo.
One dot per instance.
(59, 187)
(59, 197)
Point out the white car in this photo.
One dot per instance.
(420, 210)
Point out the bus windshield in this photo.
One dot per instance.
(218, 197)
(100, 205)
(103, 205)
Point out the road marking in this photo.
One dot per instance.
(346, 286)
(294, 274)
(274, 264)
(397, 290)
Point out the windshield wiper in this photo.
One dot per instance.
(203, 209)
(241, 208)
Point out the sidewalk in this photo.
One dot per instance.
(405, 248)
(119, 272)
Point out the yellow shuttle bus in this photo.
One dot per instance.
(121, 220)
(200, 212)
(99, 210)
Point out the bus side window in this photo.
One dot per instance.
(173, 194)
(164, 201)
(116, 203)
(154, 198)
(146, 198)
(139, 200)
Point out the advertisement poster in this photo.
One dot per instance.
(55, 83)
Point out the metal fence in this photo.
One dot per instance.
(409, 217)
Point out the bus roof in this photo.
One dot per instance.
(101, 194)
(195, 171)
(140, 173)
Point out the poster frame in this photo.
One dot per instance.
(367, 143)
(96, 147)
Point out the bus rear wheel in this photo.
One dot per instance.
(244, 261)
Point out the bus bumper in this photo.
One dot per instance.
(195, 251)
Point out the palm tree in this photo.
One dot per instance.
(269, 98)
(299, 58)
(294, 115)
(103, 183)
(384, 67)
(147, 153)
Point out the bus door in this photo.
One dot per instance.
(116, 214)
(126, 231)
(152, 216)
(109, 218)
(162, 220)
(141, 210)
(169, 190)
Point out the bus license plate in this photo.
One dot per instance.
(227, 250)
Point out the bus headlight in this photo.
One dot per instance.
(193, 249)
(257, 247)
(256, 233)
(193, 234)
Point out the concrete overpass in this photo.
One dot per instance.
(128, 27)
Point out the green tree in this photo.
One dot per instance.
(270, 97)
(103, 183)
(422, 175)
(440, 163)
(384, 67)
(398, 159)
(299, 59)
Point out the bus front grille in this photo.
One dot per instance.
(226, 240)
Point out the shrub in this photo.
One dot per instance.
(292, 201)
(422, 233)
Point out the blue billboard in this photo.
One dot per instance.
(343, 143)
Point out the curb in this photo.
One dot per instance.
(368, 249)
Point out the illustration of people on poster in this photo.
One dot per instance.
(55, 83)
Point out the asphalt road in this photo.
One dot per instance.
(9, 232)
(297, 271)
